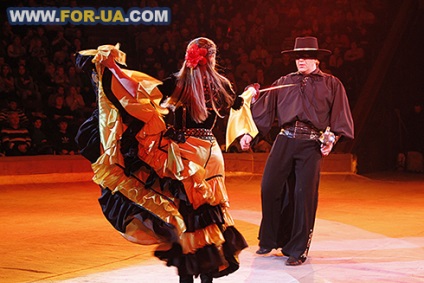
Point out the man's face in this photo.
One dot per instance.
(14, 120)
(13, 105)
(306, 66)
(37, 123)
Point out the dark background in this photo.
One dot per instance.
(382, 90)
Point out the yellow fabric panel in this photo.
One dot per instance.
(240, 121)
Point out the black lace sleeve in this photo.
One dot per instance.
(167, 87)
(238, 103)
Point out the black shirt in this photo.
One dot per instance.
(318, 99)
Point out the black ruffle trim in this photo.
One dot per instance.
(120, 211)
(234, 243)
(205, 215)
(206, 260)
(88, 137)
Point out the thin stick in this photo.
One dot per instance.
(276, 87)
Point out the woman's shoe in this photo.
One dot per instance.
(206, 278)
(186, 279)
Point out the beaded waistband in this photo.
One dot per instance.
(300, 130)
(205, 134)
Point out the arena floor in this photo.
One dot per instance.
(368, 229)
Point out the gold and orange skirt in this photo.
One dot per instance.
(175, 195)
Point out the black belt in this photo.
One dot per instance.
(204, 134)
(300, 130)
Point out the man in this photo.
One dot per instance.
(308, 103)
(15, 139)
(12, 106)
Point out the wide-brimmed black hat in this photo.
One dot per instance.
(306, 47)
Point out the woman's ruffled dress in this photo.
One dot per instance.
(157, 188)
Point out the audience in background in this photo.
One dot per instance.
(37, 64)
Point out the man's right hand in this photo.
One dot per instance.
(245, 142)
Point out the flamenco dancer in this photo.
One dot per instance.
(164, 184)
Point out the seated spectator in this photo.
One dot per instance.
(59, 91)
(39, 113)
(59, 41)
(238, 21)
(226, 51)
(74, 77)
(61, 57)
(15, 139)
(323, 65)
(7, 82)
(245, 66)
(75, 102)
(7, 33)
(167, 58)
(40, 142)
(64, 140)
(148, 60)
(76, 45)
(260, 76)
(12, 106)
(257, 30)
(258, 55)
(287, 66)
(228, 69)
(238, 41)
(243, 81)
(60, 110)
(336, 61)
(36, 49)
(354, 56)
(26, 89)
(41, 34)
(60, 76)
(47, 81)
(15, 50)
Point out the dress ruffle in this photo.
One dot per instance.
(156, 190)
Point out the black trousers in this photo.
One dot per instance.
(289, 193)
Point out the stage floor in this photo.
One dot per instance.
(368, 229)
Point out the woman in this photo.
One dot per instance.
(7, 82)
(165, 184)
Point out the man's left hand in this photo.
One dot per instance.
(245, 142)
(326, 148)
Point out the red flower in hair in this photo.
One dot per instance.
(196, 56)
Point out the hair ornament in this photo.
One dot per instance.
(196, 56)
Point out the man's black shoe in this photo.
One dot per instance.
(292, 261)
(263, 251)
